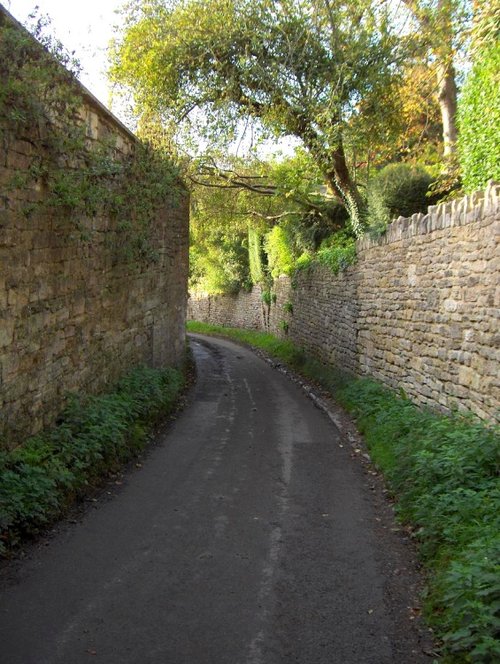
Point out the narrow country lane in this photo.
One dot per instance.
(249, 536)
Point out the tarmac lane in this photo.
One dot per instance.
(248, 536)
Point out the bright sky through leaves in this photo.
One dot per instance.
(87, 28)
(83, 27)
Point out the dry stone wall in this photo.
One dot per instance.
(429, 296)
(324, 317)
(244, 309)
(419, 310)
(76, 311)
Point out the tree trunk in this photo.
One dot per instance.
(447, 95)
(340, 181)
(438, 27)
(447, 89)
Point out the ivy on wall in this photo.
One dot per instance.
(67, 167)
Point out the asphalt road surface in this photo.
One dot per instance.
(249, 536)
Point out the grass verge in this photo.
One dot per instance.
(95, 435)
(444, 473)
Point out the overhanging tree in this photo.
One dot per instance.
(239, 206)
(303, 68)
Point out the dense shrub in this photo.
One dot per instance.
(479, 121)
(256, 256)
(337, 252)
(465, 600)
(95, 435)
(279, 249)
(397, 190)
(219, 264)
(444, 471)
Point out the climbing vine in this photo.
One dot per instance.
(67, 167)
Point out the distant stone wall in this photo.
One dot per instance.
(76, 311)
(244, 309)
(324, 316)
(419, 310)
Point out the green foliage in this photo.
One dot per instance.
(288, 307)
(226, 234)
(301, 71)
(397, 190)
(95, 435)
(444, 471)
(284, 326)
(304, 261)
(337, 252)
(282, 193)
(279, 249)
(479, 120)
(284, 224)
(219, 261)
(466, 597)
(218, 256)
(256, 256)
(267, 297)
(85, 177)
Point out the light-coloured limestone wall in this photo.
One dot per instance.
(419, 310)
(429, 296)
(324, 317)
(76, 310)
(244, 309)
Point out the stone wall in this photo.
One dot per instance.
(244, 309)
(429, 296)
(76, 311)
(419, 310)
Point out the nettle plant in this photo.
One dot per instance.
(41, 103)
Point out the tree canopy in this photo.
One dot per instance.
(359, 85)
(231, 222)
(311, 69)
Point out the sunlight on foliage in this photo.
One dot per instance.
(280, 252)
(479, 120)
